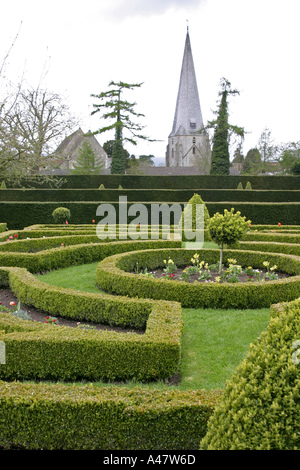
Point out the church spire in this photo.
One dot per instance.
(188, 117)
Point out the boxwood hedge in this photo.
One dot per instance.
(111, 277)
(261, 405)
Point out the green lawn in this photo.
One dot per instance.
(214, 341)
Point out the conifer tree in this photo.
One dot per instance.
(87, 162)
(220, 159)
(120, 112)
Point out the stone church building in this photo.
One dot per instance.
(188, 143)
(69, 151)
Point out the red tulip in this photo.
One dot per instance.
(12, 304)
(67, 222)
(16, 235)
(279, 224)
(93, 221)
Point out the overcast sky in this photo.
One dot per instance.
(78, 47)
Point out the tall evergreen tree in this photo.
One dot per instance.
(87, 162)
(220, 159)
(120, 112)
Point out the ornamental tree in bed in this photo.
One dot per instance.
(227, 229)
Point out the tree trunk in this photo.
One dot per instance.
(221, 257)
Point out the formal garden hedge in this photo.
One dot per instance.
(22, 214)
(42, 352)
(115, 275)
(196, 182)
(34, 415)
(168, 196)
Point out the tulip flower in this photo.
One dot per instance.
(12, 304)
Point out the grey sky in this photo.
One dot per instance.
(125, 8)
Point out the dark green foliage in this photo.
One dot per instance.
(117, 162)
(295, 169)
(22, 214)
(220, 158)
(252, 162)
(195, 182)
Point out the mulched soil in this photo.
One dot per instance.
(7, 296)
(158, 273)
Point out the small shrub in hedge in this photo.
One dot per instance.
(261, 405)
(61, 215)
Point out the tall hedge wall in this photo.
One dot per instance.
(148, 195)
(22, 214)
(176, 182)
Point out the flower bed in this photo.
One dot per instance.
(114, 274)
(203, 272)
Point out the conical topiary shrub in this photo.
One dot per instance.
(240, 186)
(248, 185)
(189, 214)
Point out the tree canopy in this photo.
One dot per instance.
(120, 112)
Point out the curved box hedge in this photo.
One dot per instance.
(111, 277)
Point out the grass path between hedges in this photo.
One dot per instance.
(214, 341)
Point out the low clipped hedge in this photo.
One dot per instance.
(272, 247)
(261, 405)
(111, 277)
(272, 237)
(58, 417)
(65, 256)
(61, 353)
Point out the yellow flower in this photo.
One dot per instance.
(218, 279)
(273, 268)
(266, 263)
(165, 261)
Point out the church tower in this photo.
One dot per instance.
(188, 143)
